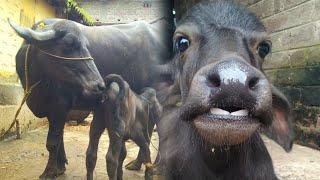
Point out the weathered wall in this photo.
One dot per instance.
(294, 65)
(25, 12)
(124, 11)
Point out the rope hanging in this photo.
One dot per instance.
(27, 92)
(29, 89)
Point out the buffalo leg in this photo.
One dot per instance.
(113, 155)
(122, 156)
(54, 139)
(136, 164)
(141, 141)
(96, 129)
(62, 159)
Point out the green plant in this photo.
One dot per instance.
(73, 5)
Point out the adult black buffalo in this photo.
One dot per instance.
(58, 55)
(226, 98)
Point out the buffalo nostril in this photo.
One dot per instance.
(253, 83)
(214, 80)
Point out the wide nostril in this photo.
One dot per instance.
(253, 83)
(214, 80)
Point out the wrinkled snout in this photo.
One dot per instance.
(94, 89)
(234, 97)
(231, 84)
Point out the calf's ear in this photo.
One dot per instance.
(281, 130)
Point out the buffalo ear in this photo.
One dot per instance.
(281, 130)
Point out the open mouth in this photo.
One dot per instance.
(226, 126)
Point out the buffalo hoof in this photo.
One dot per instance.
(134, 165)
(52, 173)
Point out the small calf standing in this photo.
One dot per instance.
(126, 115)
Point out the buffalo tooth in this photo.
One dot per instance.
(242, 112)
(219, 111)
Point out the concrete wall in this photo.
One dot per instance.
(25, 12)
(124, 11)
(294, 65)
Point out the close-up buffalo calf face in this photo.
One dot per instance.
(225, 93)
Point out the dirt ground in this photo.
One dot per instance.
(26, 158)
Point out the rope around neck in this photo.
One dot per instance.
(29, 89)
(66, 58)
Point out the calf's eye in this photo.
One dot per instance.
(263, 49)
(182, 44)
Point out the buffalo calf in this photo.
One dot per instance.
(126, 116)
(226, 99)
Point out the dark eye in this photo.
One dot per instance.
(69, 40)
(182, 44)
(264, 49)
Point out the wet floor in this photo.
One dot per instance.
(26, 158)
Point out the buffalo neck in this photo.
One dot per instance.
(33, 68)
(236, 159)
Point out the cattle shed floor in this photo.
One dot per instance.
(26, 158)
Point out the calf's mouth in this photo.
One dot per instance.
(226, 126)
(227, 102)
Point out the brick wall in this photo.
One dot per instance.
(294, 65)
(123, 11)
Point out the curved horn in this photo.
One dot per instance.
(31, 35)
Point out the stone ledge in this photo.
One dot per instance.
(308, 136)
(10, 94)
(307, 116)
(27, 120)
(307, 125)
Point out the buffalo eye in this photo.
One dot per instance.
(68, 40)
(182, 44)
(264, 49)
(71, 41)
